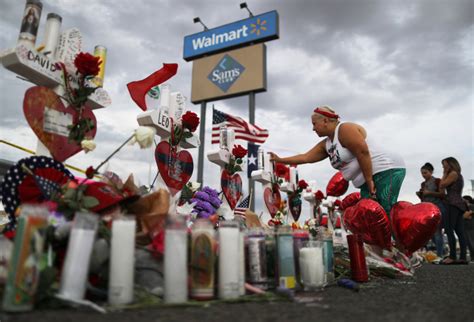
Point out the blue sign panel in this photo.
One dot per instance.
(226, 72)
(252, 30)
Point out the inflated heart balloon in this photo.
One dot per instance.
(295, 206)
(272, 200)
(175, 167)
(337, 185)
(369, 219)
(350, 200)
(49, 118)
(414, 225)
(231, 187)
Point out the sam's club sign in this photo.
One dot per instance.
(252, 30)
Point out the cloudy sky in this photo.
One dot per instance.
(402, 69)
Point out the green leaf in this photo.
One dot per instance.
(90, 202)
(238, 161)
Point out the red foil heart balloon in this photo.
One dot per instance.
(175, 167)
(49, 118)
(231, 187)
(272, 200)
(337, 185)
(368, 219)
(350, 200)
(414, 225)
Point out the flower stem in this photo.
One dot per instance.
(115, 152)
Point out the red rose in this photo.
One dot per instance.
(337, 203)
(90, 172)
(190, 121)
(302, 184)
(319, 195)
(87, 64)
(282, 170)
(239, 151)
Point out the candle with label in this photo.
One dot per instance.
(30, 23)
(286, 265)
(202, 260)
(122, 261)
(79, 250)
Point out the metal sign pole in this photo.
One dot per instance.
(202, 133)
(252, 121)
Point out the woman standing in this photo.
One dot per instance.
(378, 173)
(431, 192)
(453, 182)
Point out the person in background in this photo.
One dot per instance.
(453, 182)
(431, 192)
(469, 225)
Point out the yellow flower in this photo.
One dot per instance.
(144, 136)
(88, 145)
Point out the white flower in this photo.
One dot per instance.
(194, 186)
(88, 145)
(144, 136)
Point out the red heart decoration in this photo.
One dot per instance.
(350, 200)
(369, 219)
(295, 206)
(39, 100)
(231, 187)
(414, 225)
(337, 185)
(272, 200)
(176, 168)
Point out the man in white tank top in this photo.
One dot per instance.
(378, 173)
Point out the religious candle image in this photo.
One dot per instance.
(122, 261)
(30, 22)
(203, 257)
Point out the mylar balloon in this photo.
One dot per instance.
(350, 200)
(414, 225)
(368, 219)
(337, 186)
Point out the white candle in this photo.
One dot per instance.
(165, 99)
(229, 260)
(122, 260)
(175, 264)
(242, 263)
(312, 267)
(79, 250)
(51, 34)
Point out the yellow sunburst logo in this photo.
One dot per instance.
(258, 27)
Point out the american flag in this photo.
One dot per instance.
(47, 187)
(242, 129)
(242, 207)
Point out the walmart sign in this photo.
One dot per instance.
(252, 30)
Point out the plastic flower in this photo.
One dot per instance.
(88, 145)
(281, 170)
(319, 195)
(90, 172)
(190, 121)
(144, 136)
(239, 151)
(87, 64)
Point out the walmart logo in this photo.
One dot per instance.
(258, 27)
(226, 73)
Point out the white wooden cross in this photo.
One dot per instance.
(163, 112)
(289, 187)
(40, 68)
(264, 175)
(221, 157)
(309, 196)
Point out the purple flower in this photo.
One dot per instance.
(215, 202)
(203, 214)
(201, 195)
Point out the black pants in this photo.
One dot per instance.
(455, 223)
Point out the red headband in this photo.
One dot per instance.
(326, 113)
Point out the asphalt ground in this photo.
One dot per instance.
(436, 293)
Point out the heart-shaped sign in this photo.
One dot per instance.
(175, 167)
(272, 200)
(295, 206)
(369, 219)
(231, 187)
(49, 119)
(414, 225)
